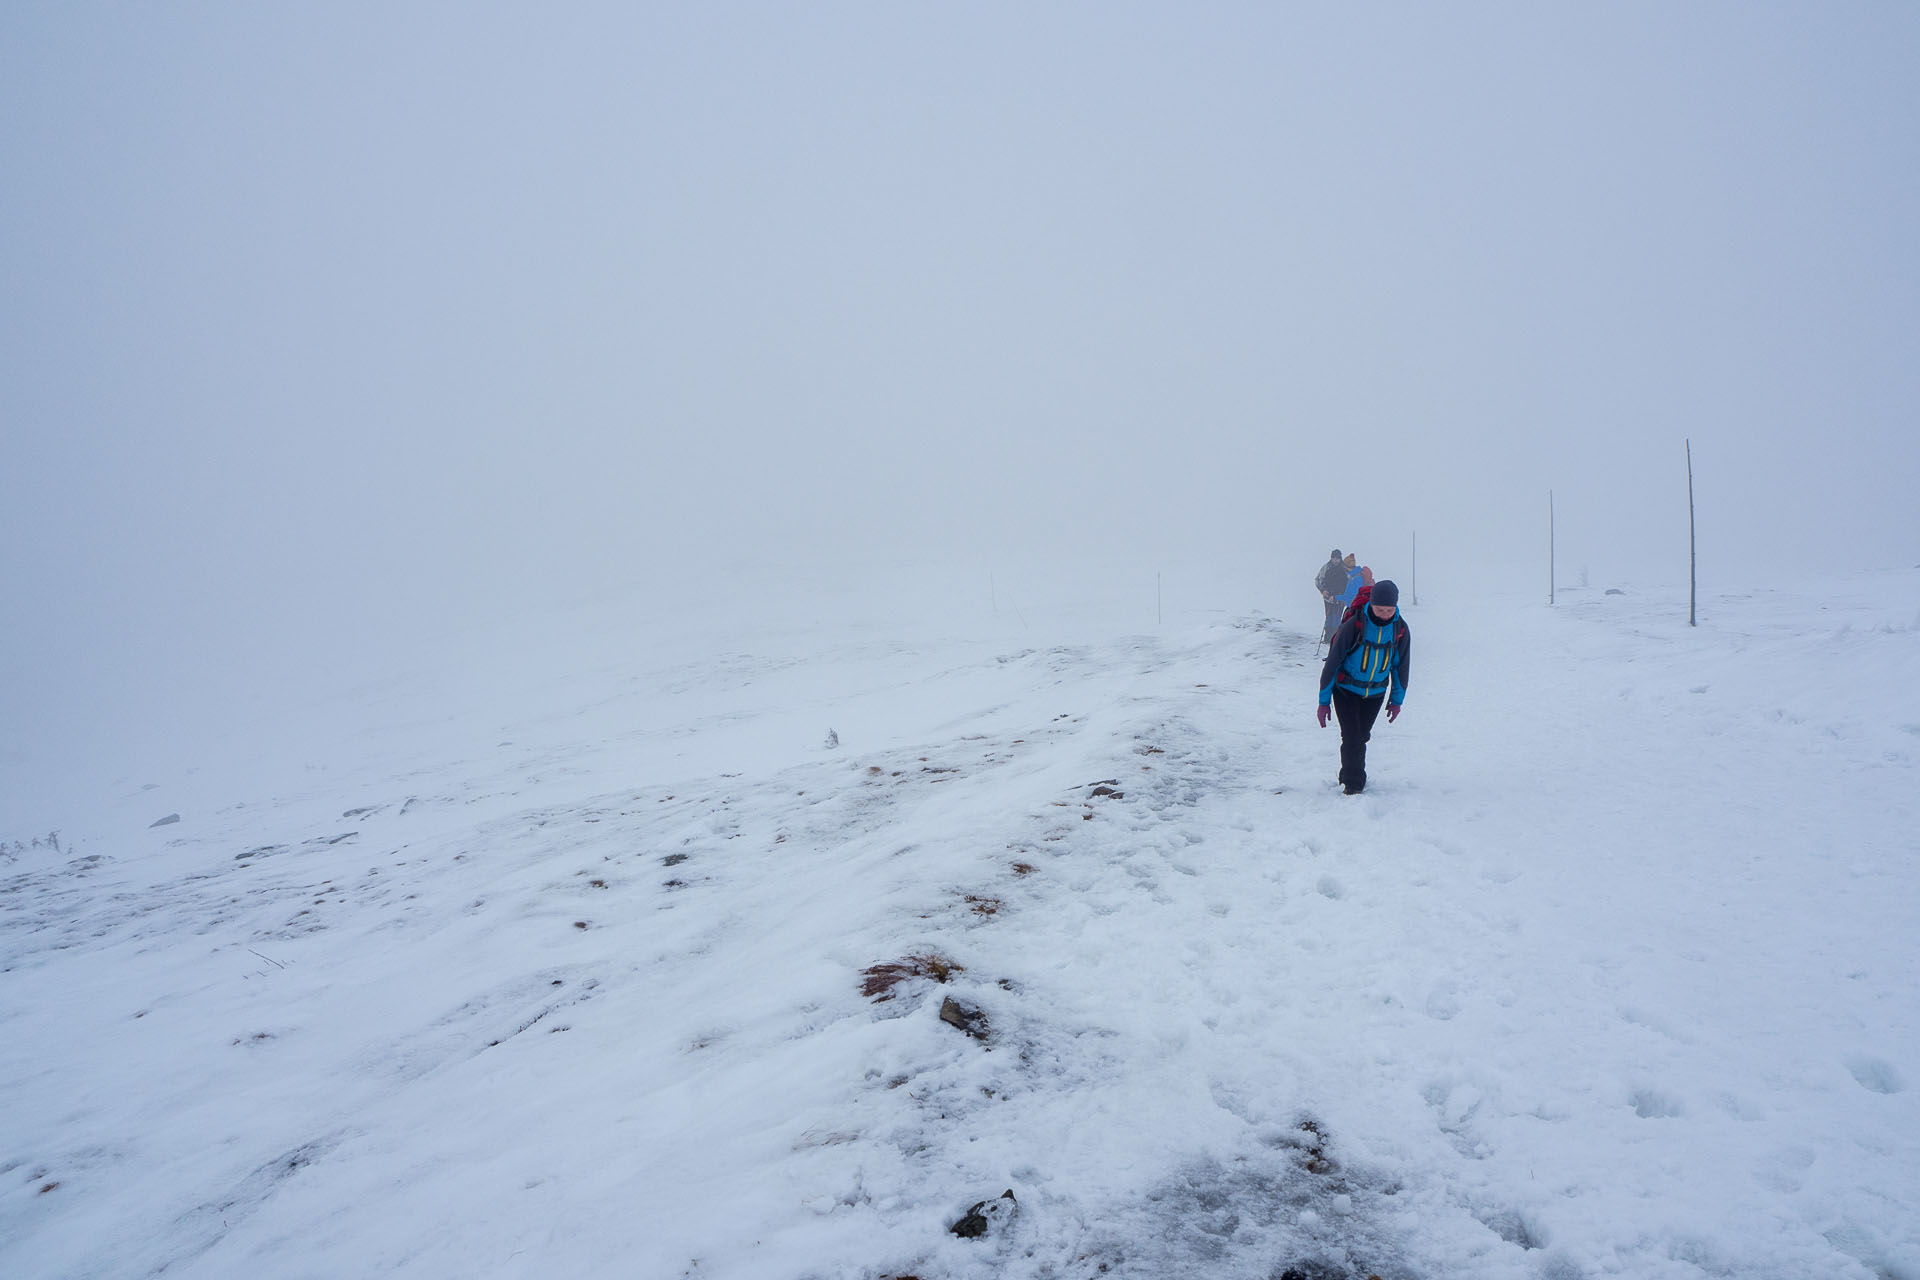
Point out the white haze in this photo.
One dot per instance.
(332, 330)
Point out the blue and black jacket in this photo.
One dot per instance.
(1367, 658)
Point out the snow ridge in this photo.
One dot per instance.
(1523, 1010)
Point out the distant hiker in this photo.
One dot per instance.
(1352, 583)
(1331, 581)
(1365, 584)
(1360, 597)
(1366, 664)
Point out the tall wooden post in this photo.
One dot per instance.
(1693, 561)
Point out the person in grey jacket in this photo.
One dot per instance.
(1331, 581)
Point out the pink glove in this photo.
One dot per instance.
(1393, 712)
(1320, 714)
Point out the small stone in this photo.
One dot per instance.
(167, 821)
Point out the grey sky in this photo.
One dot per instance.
(331, 311)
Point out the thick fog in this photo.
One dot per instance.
(326, 325)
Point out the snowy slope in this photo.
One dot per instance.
(1611, 972)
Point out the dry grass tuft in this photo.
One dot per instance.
(1315, 1149)
(881, 979)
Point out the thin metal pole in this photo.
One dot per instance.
(1550, 572)
(1416, 569)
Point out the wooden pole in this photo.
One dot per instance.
(1550, 573)
(1415, 584)
(1693, 560)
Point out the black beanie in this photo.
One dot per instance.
(1384, 592)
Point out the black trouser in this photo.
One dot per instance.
(1357, 715)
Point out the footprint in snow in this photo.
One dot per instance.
(1876, 1075)
(1443, 1002)
(1652, 1104)
(1784, 1170)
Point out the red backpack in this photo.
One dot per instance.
(1360, 599)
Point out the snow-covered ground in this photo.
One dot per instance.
(538, 967)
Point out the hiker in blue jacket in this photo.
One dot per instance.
(1352, 584)
(1366, 668)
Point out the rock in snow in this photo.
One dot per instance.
(988, 1217)
(970, 1018)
